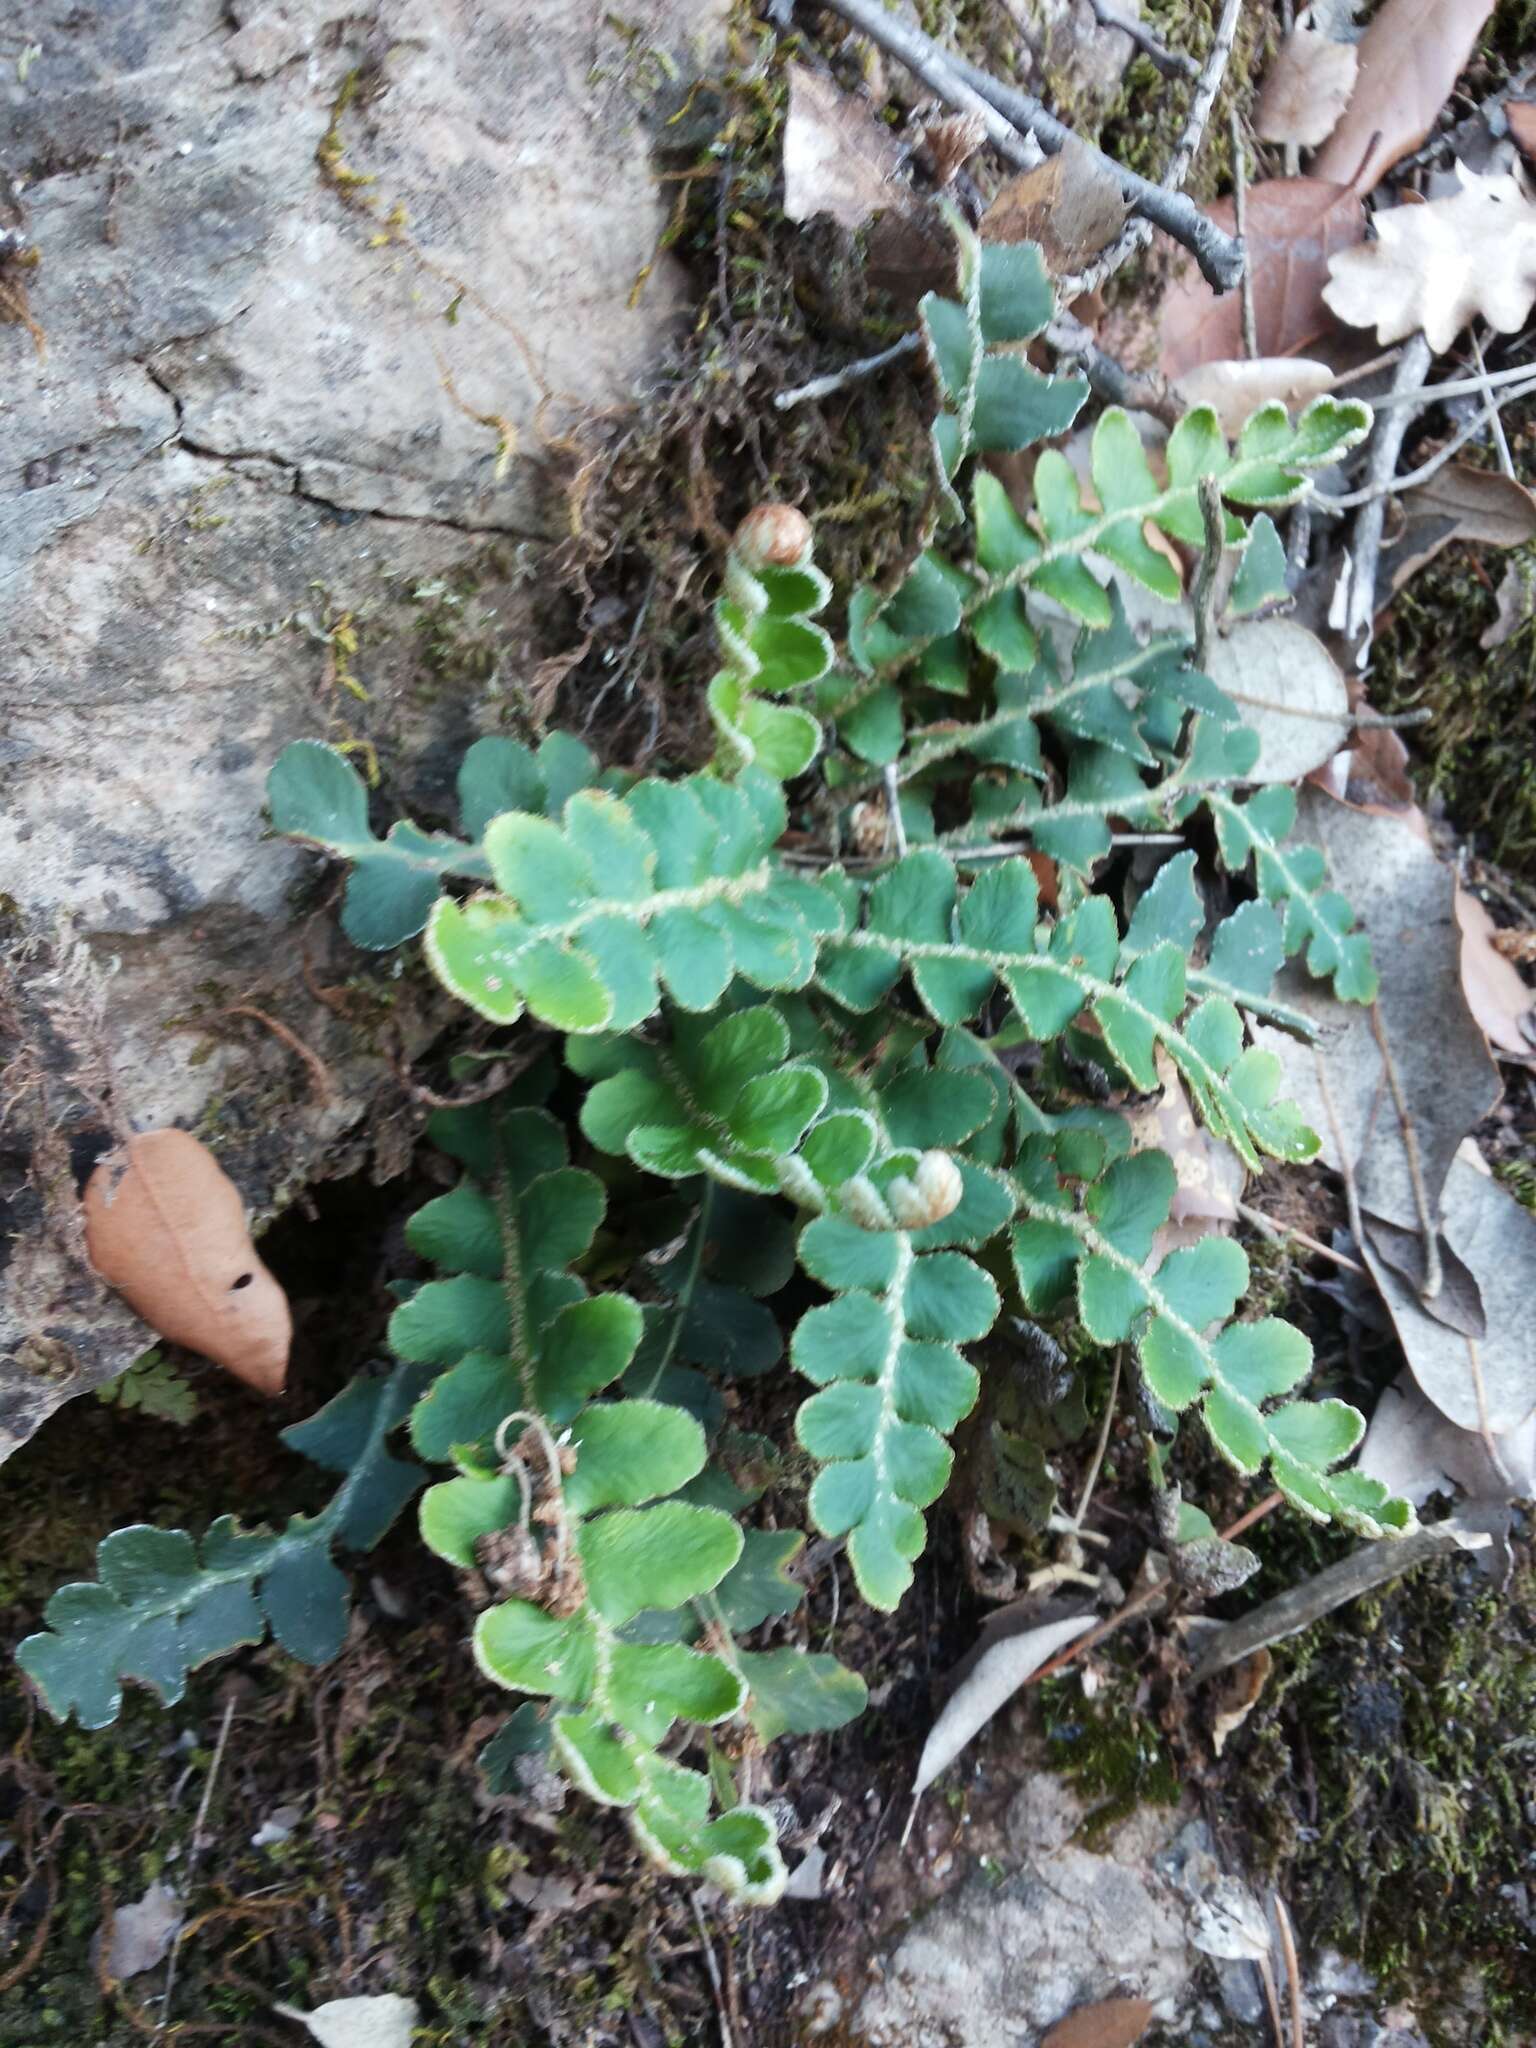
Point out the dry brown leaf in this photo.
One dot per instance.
(1238, 1697)
(1294, 226)
(838, 159)
(1071, 205)
(1236, 390)
(1112, 2023)
(165, 1226)
(1459, 504)
(1496, 994)
(1306, 89)
(1410, 57)
(1440, 265)
(1521, 116)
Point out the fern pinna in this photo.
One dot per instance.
(828, 1027)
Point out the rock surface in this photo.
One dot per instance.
(276, 409)
(995, 1964)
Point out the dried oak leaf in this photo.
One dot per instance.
(1306, 89)
(1410, 58)
(1497, 996)
(1294, 226)
(1459, 503)
(1439, 265)
(165, 1226)
(838, 159)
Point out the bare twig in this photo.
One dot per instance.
(1138, 231)
(895, 824)
(1292, 1971)
(941, 74)
(1459, 387)
(1279, 1230)
(1210, 569)
(1491, 413)
(850, 373)
(1346, 1164)
(1266, 1969)
(1375, 1563)
(1392, 486)
(1100, 1447)
(1147, 1597)
(1365, 541)
(727, 2038)
(1240, 222)
(320, 1073)
(194, 1851)
(1484, 1420)
(1171, 63)
(1430, 1285)
(1162, 205)
(1139, 391)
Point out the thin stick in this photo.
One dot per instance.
(1100, 1447)
(1431, 394)
(850, 373)
(893, 817)
(1391, 487)
(1491, 412)
(1147, 1597)
(1365, 541)
(1292, 1971)
(1266, 1970)
(1137, 232)
(1162, 205)
(1210, 569)
(320, 1073)
(1375, 1563)
(1484, 1420)
(1278, 1230)
(939, 72)
(1143, 391)
(193, 1853)
(727, 2038)
(1346, 1165)
(1433, 1279)
(1240, 222)
(1171, 63)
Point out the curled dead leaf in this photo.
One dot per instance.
(1236, 390)
(1497, 995)
(1239, 1695)
(1306, 89)
(165, 1226)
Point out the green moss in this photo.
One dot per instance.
(1109, 1752)
(1385, 1776)
(1475, 754)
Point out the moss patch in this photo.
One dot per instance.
(1475, 755)
(1386, 1777)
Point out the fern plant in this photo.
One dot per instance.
(809, 1046)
